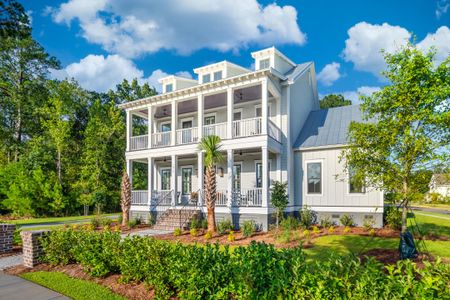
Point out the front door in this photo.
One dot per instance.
(186, 180)
(165, 179)
(186, 135)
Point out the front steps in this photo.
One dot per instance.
(176, 218)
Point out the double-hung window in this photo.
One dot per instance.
(314, 177)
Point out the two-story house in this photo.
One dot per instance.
(271, 129)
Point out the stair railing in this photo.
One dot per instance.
(184, 221)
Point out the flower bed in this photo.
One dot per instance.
(256, 271)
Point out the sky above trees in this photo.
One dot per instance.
(100, 42)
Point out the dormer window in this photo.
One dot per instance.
(217, 75)
(206, 78)
(264, 63)
(169, 88)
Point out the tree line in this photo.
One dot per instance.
(61, 146)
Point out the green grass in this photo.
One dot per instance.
(71, 287)
(429, 224)
(55, 219)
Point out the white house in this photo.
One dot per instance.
(440, 184)
(271, 129)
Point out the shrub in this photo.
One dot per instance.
(208, 235)
(372, 232)
(393, 217)
(331, 229)
(224, 226)
(106, 221)
(119, 219)
(316, 230)
(231, 237)
(368, 224)
(151, 219)
(326, 222)
(307, 235)
(204, 223)
(177, 232)
(194, 231)
(285, 237)
(248, 228)
(289, 223)
(195, 224)
(347, 229)
(116, 228)
(17, 239)
(346, 220)
(96, 222)
(134, 222)
(307, 217)
(279, 198)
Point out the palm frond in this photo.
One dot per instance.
(212, 146)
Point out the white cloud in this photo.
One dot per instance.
(99, 73)
(329, 74)
(440, 40)
(354, 95)
(441, 8)
(365, 42)
(132, 28)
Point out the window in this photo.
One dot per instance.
(166, 127)
(264, 63)
(314, 177)
(356, 183)
(237, 115)
(237, 177)
(209, 120)
(165, 179)
(217, 75)
(186, 180)
(206, 78)
(169, 87)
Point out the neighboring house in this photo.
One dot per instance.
(440, 184)
(267, 119)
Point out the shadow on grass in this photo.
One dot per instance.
(428, 225)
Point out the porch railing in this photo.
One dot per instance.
(139, 197)
(219, 129)
(221, 197)
(163, 197)
(139, 142)
(187, 135)
(161, 139)
(247, 127)
(274, 131)
(247, 197)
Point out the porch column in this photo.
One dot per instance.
(230, 98)
(129, 128)
(174, 179)
(265, 176)
(130, 171)
(200, 177)
(150, 126)
(150, 162)
(264, 106)
(230, 177)
(174, 122)
(200, 116)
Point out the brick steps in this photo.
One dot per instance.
(170, 220)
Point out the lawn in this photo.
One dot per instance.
(76, 289)
(34, 221)
(431, 223)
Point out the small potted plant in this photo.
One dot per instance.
(194, 197)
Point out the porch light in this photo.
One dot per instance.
(220, 172)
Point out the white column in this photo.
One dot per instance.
(174, 122)
(200, 116)
(264, 106)
(230, 100)
(174, 179)
(200, 177)
(279, 167)
(150, 162)
(130, 171)
(265, 176)
(150, 126)
(230, 177)
(129, 128)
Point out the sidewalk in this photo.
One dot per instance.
(12, 287)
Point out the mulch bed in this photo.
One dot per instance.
(391, 256)
(129, 290)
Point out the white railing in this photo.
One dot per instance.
(139, 142)
(161, 139)
(274, 131)
(247, 127)
(221, 198)
(247, 197)
(163, 197)
(139, 197)
(187, 135)
(219, 129)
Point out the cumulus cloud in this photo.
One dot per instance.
(100, 73)
(135, 27)
(329, 74)
(365, 42)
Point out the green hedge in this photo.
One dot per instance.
(258, 271)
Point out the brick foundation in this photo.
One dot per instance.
(6, 237)
(32, 248)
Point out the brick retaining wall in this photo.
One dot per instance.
(6, 237)
(31, 245)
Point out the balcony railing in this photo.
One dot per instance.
(187, 136)
(139, 142)
(163, 197)
(139, 197)
(247, 197)
(274, 131)
(247, 127)
(219, 129)
(161, 139)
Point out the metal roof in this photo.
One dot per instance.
(327, 127)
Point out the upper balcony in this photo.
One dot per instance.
(235, 113)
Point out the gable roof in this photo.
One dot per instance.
(327, 127)
(441, 179)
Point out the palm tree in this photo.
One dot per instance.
(211, 146)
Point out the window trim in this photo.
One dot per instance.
(168, 84)
(349, 193)
(187, 119)
(161, 169)
(269, 109)
(191, 167)
(203, 77)
(214, 75)
(212, 114)
(165, 123)
(305, 168)
(261, 60)
(238, 110)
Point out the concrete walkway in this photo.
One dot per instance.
(13, 287)
(10, 261)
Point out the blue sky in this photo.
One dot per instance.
(100, 42)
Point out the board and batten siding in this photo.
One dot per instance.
(335, 184)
